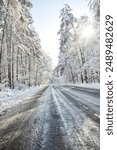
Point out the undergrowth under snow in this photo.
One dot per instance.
(9, 97)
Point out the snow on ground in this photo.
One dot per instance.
(10, 97)
(84, 85)
(91, 86)
(88, 85)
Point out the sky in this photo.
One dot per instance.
(46, 19)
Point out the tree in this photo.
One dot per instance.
(79, 49)
(66, 33)
(21, 56)
(95, 8)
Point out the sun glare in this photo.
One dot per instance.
(87, 31)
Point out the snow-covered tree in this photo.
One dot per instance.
(79, 49)
(95, 8)
(88, 42)
(66, 33)
(21, 55)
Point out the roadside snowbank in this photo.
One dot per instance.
(95, 86)
(90, 86)
(10, 97)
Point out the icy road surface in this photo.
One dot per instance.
(55, 118)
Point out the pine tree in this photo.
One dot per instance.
(66, 33)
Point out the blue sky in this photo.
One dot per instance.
(45, 14)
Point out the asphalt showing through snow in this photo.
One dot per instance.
(55, 118)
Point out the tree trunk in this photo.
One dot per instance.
(82, 78)
(13, 66)
(85, 76)
(29, 70)
(17, 66)
(2, 40)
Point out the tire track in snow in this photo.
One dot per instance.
(83, 140)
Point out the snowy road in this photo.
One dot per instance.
(55, 118)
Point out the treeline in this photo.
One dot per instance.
(22, 60)
(79, 56)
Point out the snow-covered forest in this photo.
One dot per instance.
(79, 58)
(22, 60)
(45, 105)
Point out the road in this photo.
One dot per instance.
(55, 118)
